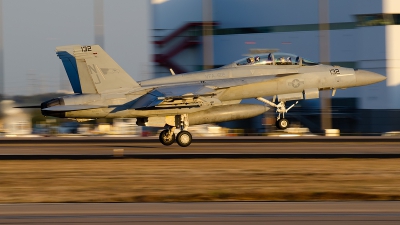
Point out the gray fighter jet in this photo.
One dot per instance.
(104, 90)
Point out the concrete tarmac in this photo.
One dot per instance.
(79, 148)
(252, 213)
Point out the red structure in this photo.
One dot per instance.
(165, 59)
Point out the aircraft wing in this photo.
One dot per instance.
(174, 96)
(190, 95)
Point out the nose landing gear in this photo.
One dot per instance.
(281, 123)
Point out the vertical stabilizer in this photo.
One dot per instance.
(65, 53)
(106, 75)
(91, 70)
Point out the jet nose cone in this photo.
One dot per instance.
(364, 77)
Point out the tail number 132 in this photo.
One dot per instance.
(86, 48)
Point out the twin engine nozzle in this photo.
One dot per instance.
(51, 103)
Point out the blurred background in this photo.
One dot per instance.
(148, 37)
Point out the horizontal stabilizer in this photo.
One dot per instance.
(65, 108)
(29, 107)
(150, 99)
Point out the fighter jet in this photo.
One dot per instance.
(102, 89)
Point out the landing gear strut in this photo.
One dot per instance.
(184, 138)
(281, 123)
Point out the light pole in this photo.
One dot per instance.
(98, 6)
(1, 56)
(208, 50)
(326, 118)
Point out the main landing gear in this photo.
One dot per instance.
(184, 137)
(281, 123)
(167, 137)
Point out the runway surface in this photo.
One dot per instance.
(232, 147)
(252, 213)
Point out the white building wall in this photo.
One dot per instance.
(393, 65)
(391, 6)
(392, 55)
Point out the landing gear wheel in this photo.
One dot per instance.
(282, 124)
(164, 139)
(184, 138)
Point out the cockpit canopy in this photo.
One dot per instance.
(277, 58)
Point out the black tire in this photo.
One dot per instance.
(184, 138)
(282, 124)
(164, 140)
